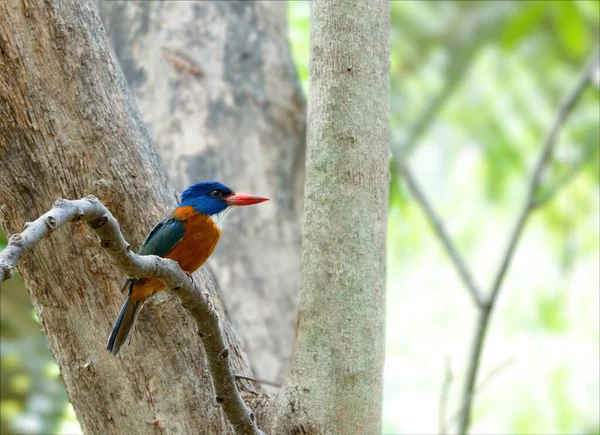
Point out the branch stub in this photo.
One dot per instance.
(16, 240)
(7, 273)
(98, 222)
(223, 354)
(60, 203)
(50, 222)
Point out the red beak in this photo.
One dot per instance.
(244, 199)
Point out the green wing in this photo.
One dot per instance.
(163, 237)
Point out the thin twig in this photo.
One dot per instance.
(590, 148)
(448, 377)
(548, 146)
(260, 381)
(182, 62)
(456, 71)
(503, 365)
(440, 230)
(106, 227)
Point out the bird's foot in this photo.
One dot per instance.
(189, 275)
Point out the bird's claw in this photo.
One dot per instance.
(189, 275)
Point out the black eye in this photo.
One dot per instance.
(216, 193)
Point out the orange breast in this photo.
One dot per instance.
(200, 240)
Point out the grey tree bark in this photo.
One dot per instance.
(69, 127)
(335, 384)
(216, 84)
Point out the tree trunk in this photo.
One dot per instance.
(217, 86)
(68, 127)
(335, 383)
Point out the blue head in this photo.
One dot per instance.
(211, 198)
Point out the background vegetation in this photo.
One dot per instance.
(475, 86)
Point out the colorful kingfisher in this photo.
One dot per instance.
(189, 236)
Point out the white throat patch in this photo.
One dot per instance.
(220, 217)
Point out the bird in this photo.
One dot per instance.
(188, 236)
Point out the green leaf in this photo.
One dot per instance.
(550, 313)
(564, 412)
(590, 9)
(522, 24)
(570, 26)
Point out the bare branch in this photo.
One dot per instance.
(503, 365)
(91, 211)
(548, 146)
(448, 377)
(590, 148)
(547, 151)
(440, 230)
(260, 381)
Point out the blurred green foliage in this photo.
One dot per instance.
(474, 88)
(32, 397)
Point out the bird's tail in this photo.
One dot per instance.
(123, 325)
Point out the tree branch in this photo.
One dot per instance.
(440, 230)
(260, 381)
(503, 365)
(91, 211)
(589, 149)
(548, 146)
(445, 391)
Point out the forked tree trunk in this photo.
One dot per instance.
(216, 84)
(68, 128)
